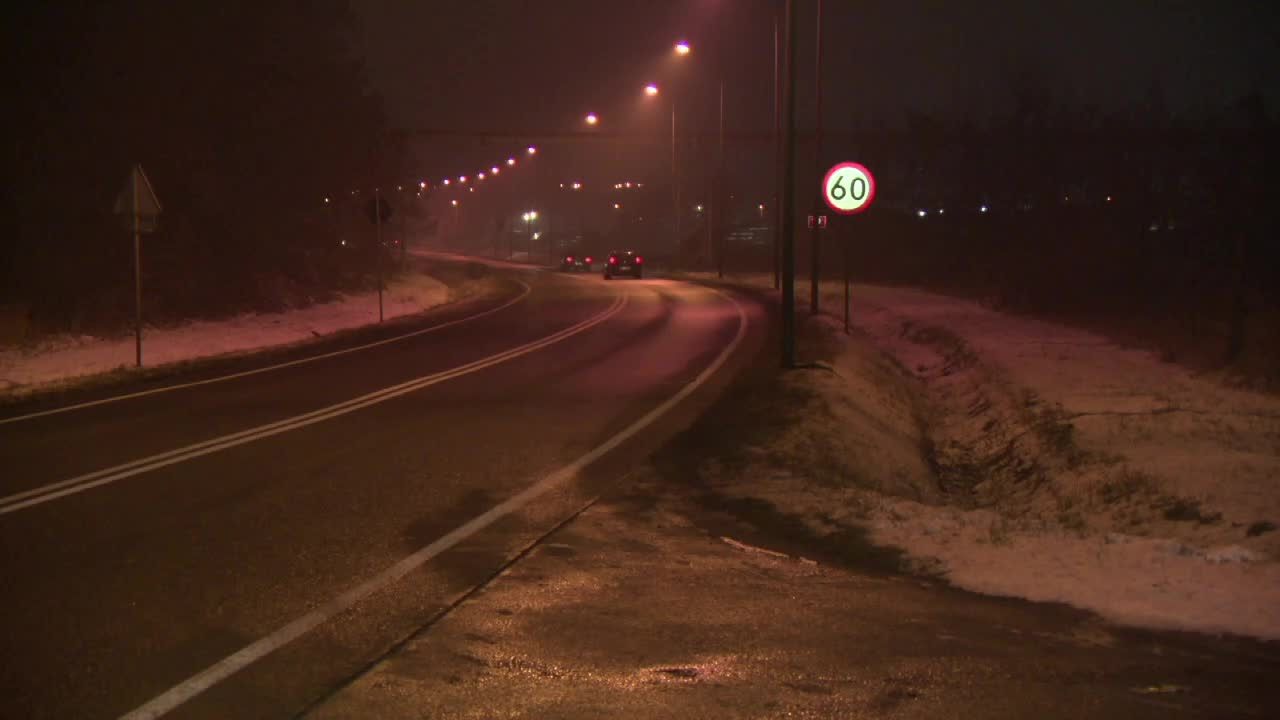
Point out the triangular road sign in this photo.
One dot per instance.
(148, 205)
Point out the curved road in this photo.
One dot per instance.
(279, 531)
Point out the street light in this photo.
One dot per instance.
(532, 150)
(650, 89)
(592, 119)
(493, 170)
(682, 48)
(511, 162)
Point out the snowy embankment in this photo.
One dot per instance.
(1018, 457)
(62, 358)
(1074, 470)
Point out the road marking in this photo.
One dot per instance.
(269, 368)
(212, 675)
(78, 484)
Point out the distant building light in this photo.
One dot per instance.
(617, 206)
(326, 201)
(983, 209)
(1108, 198)
(921, 213)
(942, 211)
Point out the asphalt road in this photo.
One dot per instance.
(281, 530)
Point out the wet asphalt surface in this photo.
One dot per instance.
(640, 608)
(637, 607)
(117, 593)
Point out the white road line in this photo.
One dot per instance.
(212, 675)
(53, 491)
(269, 368)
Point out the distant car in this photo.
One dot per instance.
(624, 262)
(576, 263)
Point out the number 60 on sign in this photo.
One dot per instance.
(848, 188)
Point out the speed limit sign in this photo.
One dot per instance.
(848, 188)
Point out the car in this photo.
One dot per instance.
(624, 262)
(576, 263)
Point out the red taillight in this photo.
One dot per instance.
(613, 259)
(587, 260)
(569, 259)
(639, 259)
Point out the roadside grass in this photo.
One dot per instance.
(738, 439)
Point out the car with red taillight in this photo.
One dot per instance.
(623, 262)
(574, 262)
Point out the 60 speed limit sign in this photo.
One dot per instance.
(848, 188)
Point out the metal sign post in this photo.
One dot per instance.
(377, 214)
(143, 207)
(848, 189)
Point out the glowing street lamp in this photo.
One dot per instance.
(650, 89)
(493, 170)
(531, 150)
(682, 48)
(479, 176)
(445, 181)
(453, 203)
(511, 162)
(592, 119)
(462, 179)
(422, 185)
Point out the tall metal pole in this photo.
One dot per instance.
(137, 273)
(815, 231)
(720, 194)
(777, 150)
(788, 191)
(377, 219)
(675, 177)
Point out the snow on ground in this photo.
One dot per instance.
(1057, 466)
(64, 357)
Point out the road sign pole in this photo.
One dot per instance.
(137, 274)
(789, 190)
(377, 219)
(846, 286)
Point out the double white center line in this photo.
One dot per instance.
(47, 493)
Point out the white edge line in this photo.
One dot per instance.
(212, 675)
(71, 486)
(269, 368)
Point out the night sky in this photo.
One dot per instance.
(534, 68)
(506, 64)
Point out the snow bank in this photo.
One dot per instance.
(1061, 467)
(66, 357)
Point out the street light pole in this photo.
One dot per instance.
(777, 149)
(815, 231)
(719, 215)
(788, 190)
(675, 176)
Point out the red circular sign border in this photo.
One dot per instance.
(871, 193)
